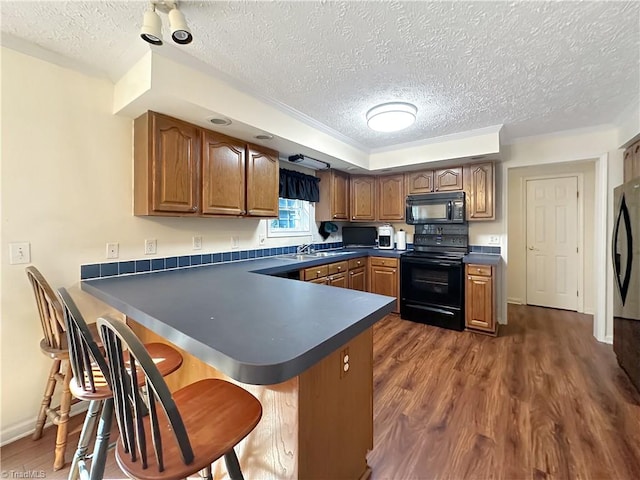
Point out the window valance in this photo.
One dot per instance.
(299, 186)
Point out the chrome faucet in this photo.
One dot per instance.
(304, 248)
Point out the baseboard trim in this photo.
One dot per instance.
(27, 427)
(515, 300)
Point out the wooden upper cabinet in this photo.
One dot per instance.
(223, 175)
(480, 187)
(263, 181)
(419, 182)
(363, 192)
(183, 170)
(391, 198)
(447, 179)
(166, 166)
(334, 196)
(632, 162)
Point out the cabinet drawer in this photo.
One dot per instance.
(482, 270)
(384, 262)
(315, 272)
(357, 262)
(338, 267)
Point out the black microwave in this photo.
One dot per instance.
(436, 208)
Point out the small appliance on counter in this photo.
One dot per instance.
(386, 237)
(359, 237)
(401, 240)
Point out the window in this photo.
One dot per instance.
(293, 219)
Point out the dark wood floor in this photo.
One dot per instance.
(542, 400)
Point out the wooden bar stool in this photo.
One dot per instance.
(186, 432)
(91, 382)
(53, 345)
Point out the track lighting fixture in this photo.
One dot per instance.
(152, 24)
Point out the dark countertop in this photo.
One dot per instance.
(255, 328)
(482, 258)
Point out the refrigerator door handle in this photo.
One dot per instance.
(623, 278)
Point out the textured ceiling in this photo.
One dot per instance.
(537, 67)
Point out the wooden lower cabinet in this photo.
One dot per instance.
(480, 307)
(384, 278)
(338, 280)
(300, 434)
(358, 279)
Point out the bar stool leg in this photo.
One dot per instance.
(46, 399)
(233, 466)
(99, 457)
(63, 419)
(88, 428)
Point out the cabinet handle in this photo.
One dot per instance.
(194, 209)
(394, 271)
(350, 273)
(353, 218)
(243, 212)
(339, 268)
(335, 216)
(318, 272)
(479, 270)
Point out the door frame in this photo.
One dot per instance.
(580, 225)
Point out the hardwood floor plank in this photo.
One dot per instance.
(544, 400)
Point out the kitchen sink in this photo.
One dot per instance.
(310, 256)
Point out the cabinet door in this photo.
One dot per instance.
(339, 196)
(363, 190)
(384, 281)
(175, 165)
(419, 182)
(480, 193)
(223, 175)
(263, 182)
(632, 162)
(479, 303)
(391, 201)
(338, 280)
(448, 179)
(358, 279)
(321, 280)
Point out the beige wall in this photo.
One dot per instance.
(67, 189)
(516, 279)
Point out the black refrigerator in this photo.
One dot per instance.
(626, 266)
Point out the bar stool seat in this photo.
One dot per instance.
(54, 345)
(91, 382)
(184, 432)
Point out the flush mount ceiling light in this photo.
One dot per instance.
(264, 136)
(220, 121)
(391, 117)
(152, 24)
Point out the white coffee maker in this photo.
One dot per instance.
(386, 237)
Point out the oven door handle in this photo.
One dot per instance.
(430, 309)
(432, 262)
(449, 210)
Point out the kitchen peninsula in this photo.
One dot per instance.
(304, 350)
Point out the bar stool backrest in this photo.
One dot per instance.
(84, 354)
(117, 338)
(49, 308)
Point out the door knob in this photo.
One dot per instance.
(531, 248)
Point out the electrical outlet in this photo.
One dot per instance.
(235, 242)
(261, 239)
(150, 246)
(113, 250)
(494, 239)
(197, 242)
(19, 252)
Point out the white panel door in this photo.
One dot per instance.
(552, 242)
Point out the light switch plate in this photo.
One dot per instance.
(19, 252)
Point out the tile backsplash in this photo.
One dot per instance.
(112, 269)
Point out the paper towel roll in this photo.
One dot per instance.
(401, 240)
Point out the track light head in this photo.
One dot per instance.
(151, 30)
(179, 30)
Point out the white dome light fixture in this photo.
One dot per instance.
(391, 117)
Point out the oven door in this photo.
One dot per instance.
(431, 291)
